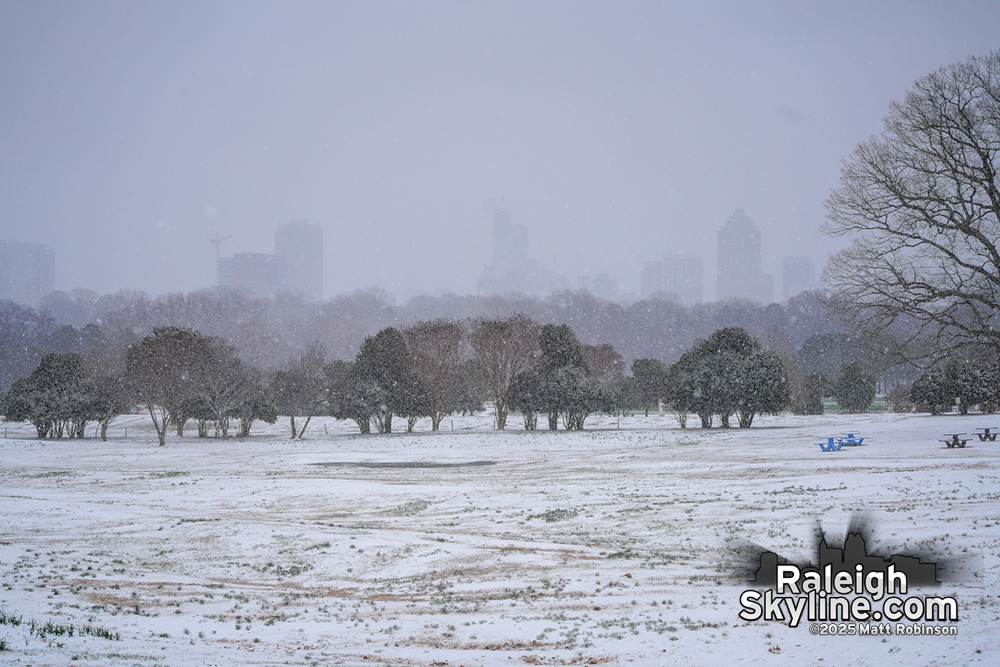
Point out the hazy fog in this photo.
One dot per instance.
(616, 132)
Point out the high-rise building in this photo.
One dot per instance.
(677, 275)
(798, 274)
(261, 274)
(27, 271)
(512, 271)
(296, 265)
(510, 240)
(300, 244)
(739, 262)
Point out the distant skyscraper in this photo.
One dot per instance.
(798, 274)
(261, 274)
(739, 262)
(300, 244)
(27, 271)
(512, 271)
(296, 265)
(676, 274)
(510, 240)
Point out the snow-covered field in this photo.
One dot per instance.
(476, 547)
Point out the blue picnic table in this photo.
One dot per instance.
(832, 444)
(852, 439)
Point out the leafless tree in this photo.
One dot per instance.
(502, 349)
(299, 389)
(436, 355)
(161, 370)
(922, 205)
(225, 384)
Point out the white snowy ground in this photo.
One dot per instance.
(602, 547)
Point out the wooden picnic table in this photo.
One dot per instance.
(954, 440)
(988, 433)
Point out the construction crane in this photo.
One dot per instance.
(217, 242)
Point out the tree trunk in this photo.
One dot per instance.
(410, 423)
(553, 421)
(302, 431)
(501, 414)
(364, 425)
(706, 419)
(294, 432)
(530, 421)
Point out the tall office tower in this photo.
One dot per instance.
(677, 275)
(798, 274)
(261, 274)
(300, 245)
(510, 240)
(739, 262)
(512, 271)
(27, 271)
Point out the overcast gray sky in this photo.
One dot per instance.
(615, 131)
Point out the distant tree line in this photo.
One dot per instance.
(270, 331)
(430, 369)
(958, 382)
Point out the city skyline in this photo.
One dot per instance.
(132, 132)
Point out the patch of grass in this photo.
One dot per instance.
(553, 515)
(411, 507)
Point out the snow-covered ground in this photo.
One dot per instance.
(476, 547)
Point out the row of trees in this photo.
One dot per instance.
(430, 369)
(62, 395)
(958, 380)
(728, 374)
(269, 331)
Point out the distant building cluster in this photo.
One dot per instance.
(740, 270)
(677, 276)
(27, 271)
(512, 270)
(296, 265)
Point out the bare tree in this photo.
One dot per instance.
(502, 349)
(161, 369)
(435, 358)
(922, 205)
(299, 389)
(225, 384)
